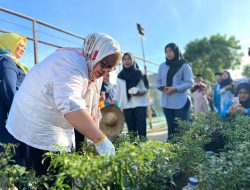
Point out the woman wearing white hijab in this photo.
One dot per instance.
(61, 94)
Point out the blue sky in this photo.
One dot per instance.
(179, 21)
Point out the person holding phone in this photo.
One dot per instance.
(240, 103)
(174, 78)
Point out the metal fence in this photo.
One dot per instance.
(34, 38)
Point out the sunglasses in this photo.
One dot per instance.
(105, 65)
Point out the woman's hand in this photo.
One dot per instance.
(83, 122)
(232, 109)
(133, 91)
(242, 110)
(105, 147)
(169, 90)
(238, 108)
(140, 93)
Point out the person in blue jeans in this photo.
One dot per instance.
(243, 93)
(174, 78)
(12, 73)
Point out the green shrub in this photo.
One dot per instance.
(11, 173)
(150, 165)
(191, 157)
(236, 130)
(191, 139)
(135, 165)
(230, 170)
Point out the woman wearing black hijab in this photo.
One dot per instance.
(243, 94)
(173, 80)
(131, 89)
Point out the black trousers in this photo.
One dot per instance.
(42, 168)
(172, 114)
(37, 157)
(136, 120)
(79, 139)
(20, 152)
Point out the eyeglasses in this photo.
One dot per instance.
(105, 65)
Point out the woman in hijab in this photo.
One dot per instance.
(243, 106)
(107, 92)
(61, 94)
(12, 73)
(174, 78)
(226, 87)
(131, 89)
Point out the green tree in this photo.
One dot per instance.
(217, 53)
(246, 71)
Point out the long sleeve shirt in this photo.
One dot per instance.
(182, 81)
(224, 114)
(134, 101)
(11, 77)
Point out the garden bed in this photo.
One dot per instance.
(153, 165)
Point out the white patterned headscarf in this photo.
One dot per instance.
(97, 46)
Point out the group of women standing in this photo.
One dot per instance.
(62, 92)
(60, 96)
(44, 101)
(173, 80)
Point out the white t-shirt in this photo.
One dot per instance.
(56, 86)
(134, 101)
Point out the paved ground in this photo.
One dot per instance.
(158, 134)
(159, 130)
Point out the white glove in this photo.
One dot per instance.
(133, 91)
(105, 147)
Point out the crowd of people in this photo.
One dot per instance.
(224, 97)
(58, 101)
